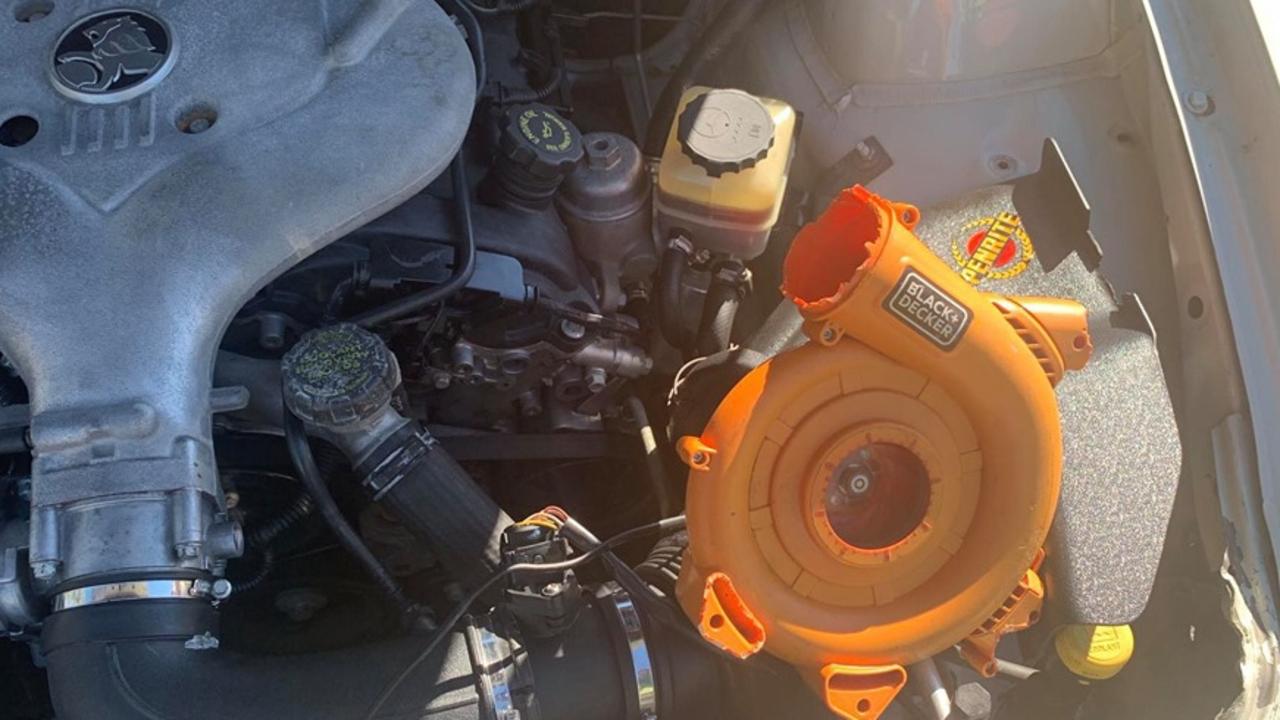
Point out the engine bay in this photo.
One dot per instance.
(592, 360)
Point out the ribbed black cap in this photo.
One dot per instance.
(725, 131)
(537, 149)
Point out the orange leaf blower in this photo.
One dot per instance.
(881, 493)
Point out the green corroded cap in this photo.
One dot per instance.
(339, 376)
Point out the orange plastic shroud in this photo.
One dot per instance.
(874, 497)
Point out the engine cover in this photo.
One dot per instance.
(158, 165)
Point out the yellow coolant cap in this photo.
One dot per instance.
(1095, 652)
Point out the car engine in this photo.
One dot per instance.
(547, 359)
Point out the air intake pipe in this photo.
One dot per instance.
(882, 493)
(342, 381)
(156, 659)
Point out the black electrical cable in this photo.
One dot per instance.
(542, 92)
(466, 14)
(305, 464)
(728, 26)
(441, 632)
(654, 606)
(464, 261)
(555, 73)
(260, 539)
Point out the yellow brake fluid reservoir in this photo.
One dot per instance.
(724, 170)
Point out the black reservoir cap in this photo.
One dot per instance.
(725, 131)
(339, 376)
(537, 149)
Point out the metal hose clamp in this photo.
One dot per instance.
(132, 590)
(641, 662)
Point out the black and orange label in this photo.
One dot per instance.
(992, 247)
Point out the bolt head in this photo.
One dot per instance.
(1199, 102)
(552, 589)
(188, 551)
(572, 329)
(221, 589)
(596, 379)
(699, 458)
(852, 481)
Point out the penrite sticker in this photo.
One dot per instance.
(994, 247)
(925, 308)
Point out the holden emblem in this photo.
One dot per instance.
(112, 56)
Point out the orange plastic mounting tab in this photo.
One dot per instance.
(726, 621)
(861, 693)
(1019, 612)
(694, 453)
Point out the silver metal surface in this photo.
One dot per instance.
(127, 244)
(928, 683)
(615, 356)
(641, 662)
(1014, 670)
(130, 590)
(491, 650)
(19, 603)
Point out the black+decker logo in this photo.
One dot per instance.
(925, 308)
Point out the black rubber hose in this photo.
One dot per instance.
(661, 569)
(501, 8)
(671, 272)
(542, 92)
(305, 465)
(464, 261)
(13, 441)
(654, 463)
(729, 25)
(127, 660)
(422, 485)
(724, 297)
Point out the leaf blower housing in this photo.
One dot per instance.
(879, 494)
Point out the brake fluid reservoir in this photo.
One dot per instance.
(724, 170)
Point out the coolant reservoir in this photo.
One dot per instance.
(724, 170)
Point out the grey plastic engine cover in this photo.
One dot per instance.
(126, 244)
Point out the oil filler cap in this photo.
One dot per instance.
(537, 149)
(726, 131)
(1094, 652)
(339, 376)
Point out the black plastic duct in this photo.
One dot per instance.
(134, 659)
